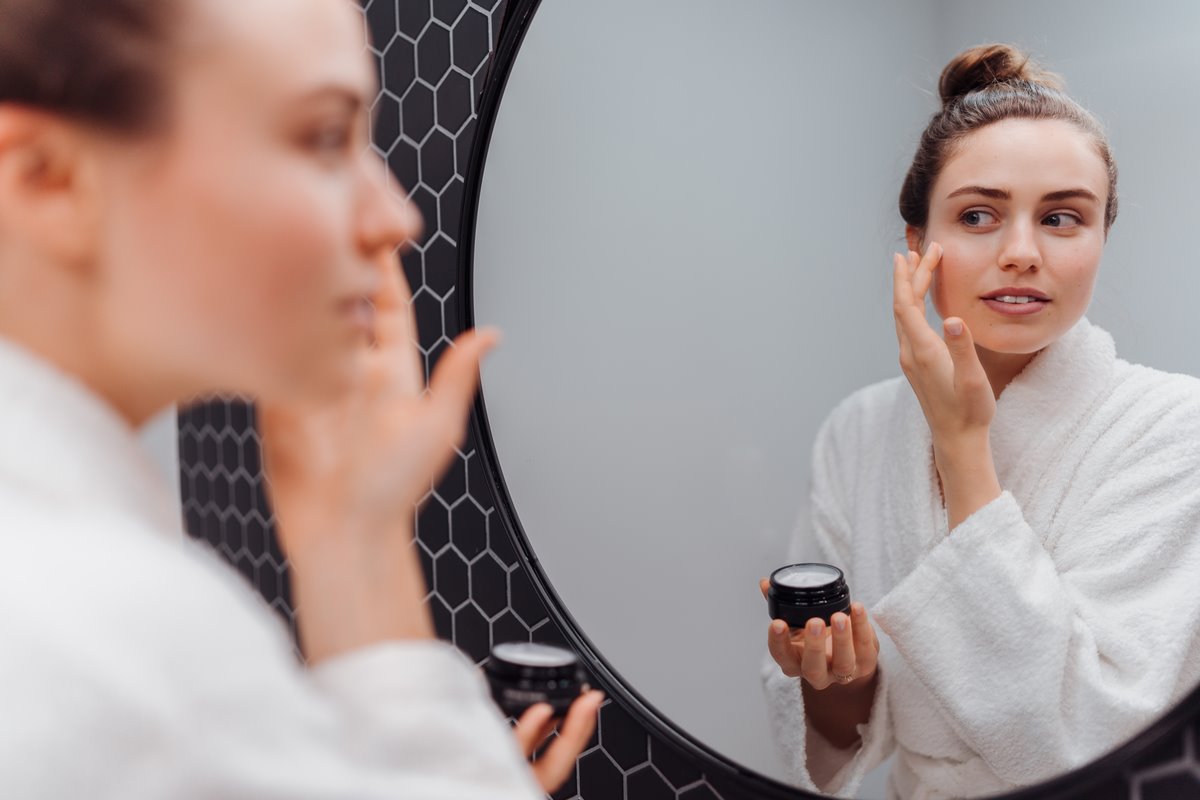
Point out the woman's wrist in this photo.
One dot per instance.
(968, 475)
(352, 591)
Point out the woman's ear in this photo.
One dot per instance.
(915, 237)
(49, 199)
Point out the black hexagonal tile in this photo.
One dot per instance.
(443, 619)
(1172, 787)
(453, 101)
(428, 312)
(507, 628)
(599, 777)
(1169, 750)
(622, 737)
(412, 16)
(646, 784)
(471, 632)
(472, 41)
(243, 492)
(426, 203)
(381, 15)
(404, 162)
(441, 265)
(674, 765)
(433, 54)
(437, 161)
(448, 10)
(398, 63)
(524, 600)
(416, 112)
(489, 585)
(453, 484)
(450, 578)
(699, 793)
(433, 525)
(468, 528)
(385, 128)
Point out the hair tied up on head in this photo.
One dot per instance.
(990, 64)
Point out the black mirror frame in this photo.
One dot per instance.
(735, 780)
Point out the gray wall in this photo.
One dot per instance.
(685, 229)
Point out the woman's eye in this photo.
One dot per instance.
(977, 218)
(329, 140)
(1062, 219)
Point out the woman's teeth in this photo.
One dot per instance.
(1008, 298)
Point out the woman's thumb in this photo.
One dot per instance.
(961, 346)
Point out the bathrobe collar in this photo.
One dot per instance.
(63, 446)
(1036, 415)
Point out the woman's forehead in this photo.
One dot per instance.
(282, 45)
(1024, 157)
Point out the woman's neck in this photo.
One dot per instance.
(57, 321)
(1001, 368)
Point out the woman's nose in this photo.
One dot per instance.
(1019, 249)
(387, 218)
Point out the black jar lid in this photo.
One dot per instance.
(529, 660)
(810, 582)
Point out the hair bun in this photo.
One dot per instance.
(988, 64)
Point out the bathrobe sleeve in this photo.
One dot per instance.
(1045, 648)
(824, 535)
(152, 676)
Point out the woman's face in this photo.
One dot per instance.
(238, 248)
(1019, 211)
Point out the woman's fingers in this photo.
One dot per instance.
(923, 274)
(969, 374)
(764, 586)
(866, 645)
(456, 377)
(533, 727)
(782, 649)
(842, 666)
(814, 666)
(558, 761)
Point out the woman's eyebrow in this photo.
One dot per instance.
(348, 96)
(1003, 194)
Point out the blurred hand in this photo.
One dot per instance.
(844, 653)
(554, 765)
(344, 478)
(365, 460)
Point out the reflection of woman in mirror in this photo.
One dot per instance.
(188, 205)
(1021, 511)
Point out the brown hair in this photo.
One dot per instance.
(983, 85)
(98, 61)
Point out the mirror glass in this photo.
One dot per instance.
(685, 230)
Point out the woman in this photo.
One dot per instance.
(1021, 512)
(188, 206)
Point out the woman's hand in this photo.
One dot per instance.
(555, 764)
(946, 376)
(952, 387)
(845, 653)
(370, 456)
(344, 479)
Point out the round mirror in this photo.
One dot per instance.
(684, 226)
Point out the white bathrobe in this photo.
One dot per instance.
(1051, 625)
(136, 665)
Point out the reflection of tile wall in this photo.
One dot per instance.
(433, 57)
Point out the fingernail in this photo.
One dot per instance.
(858, 609)
(954, 327)
(839, 623)
(778, 626)
(816, 627)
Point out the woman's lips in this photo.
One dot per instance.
(361, 313)
(1008, 309)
